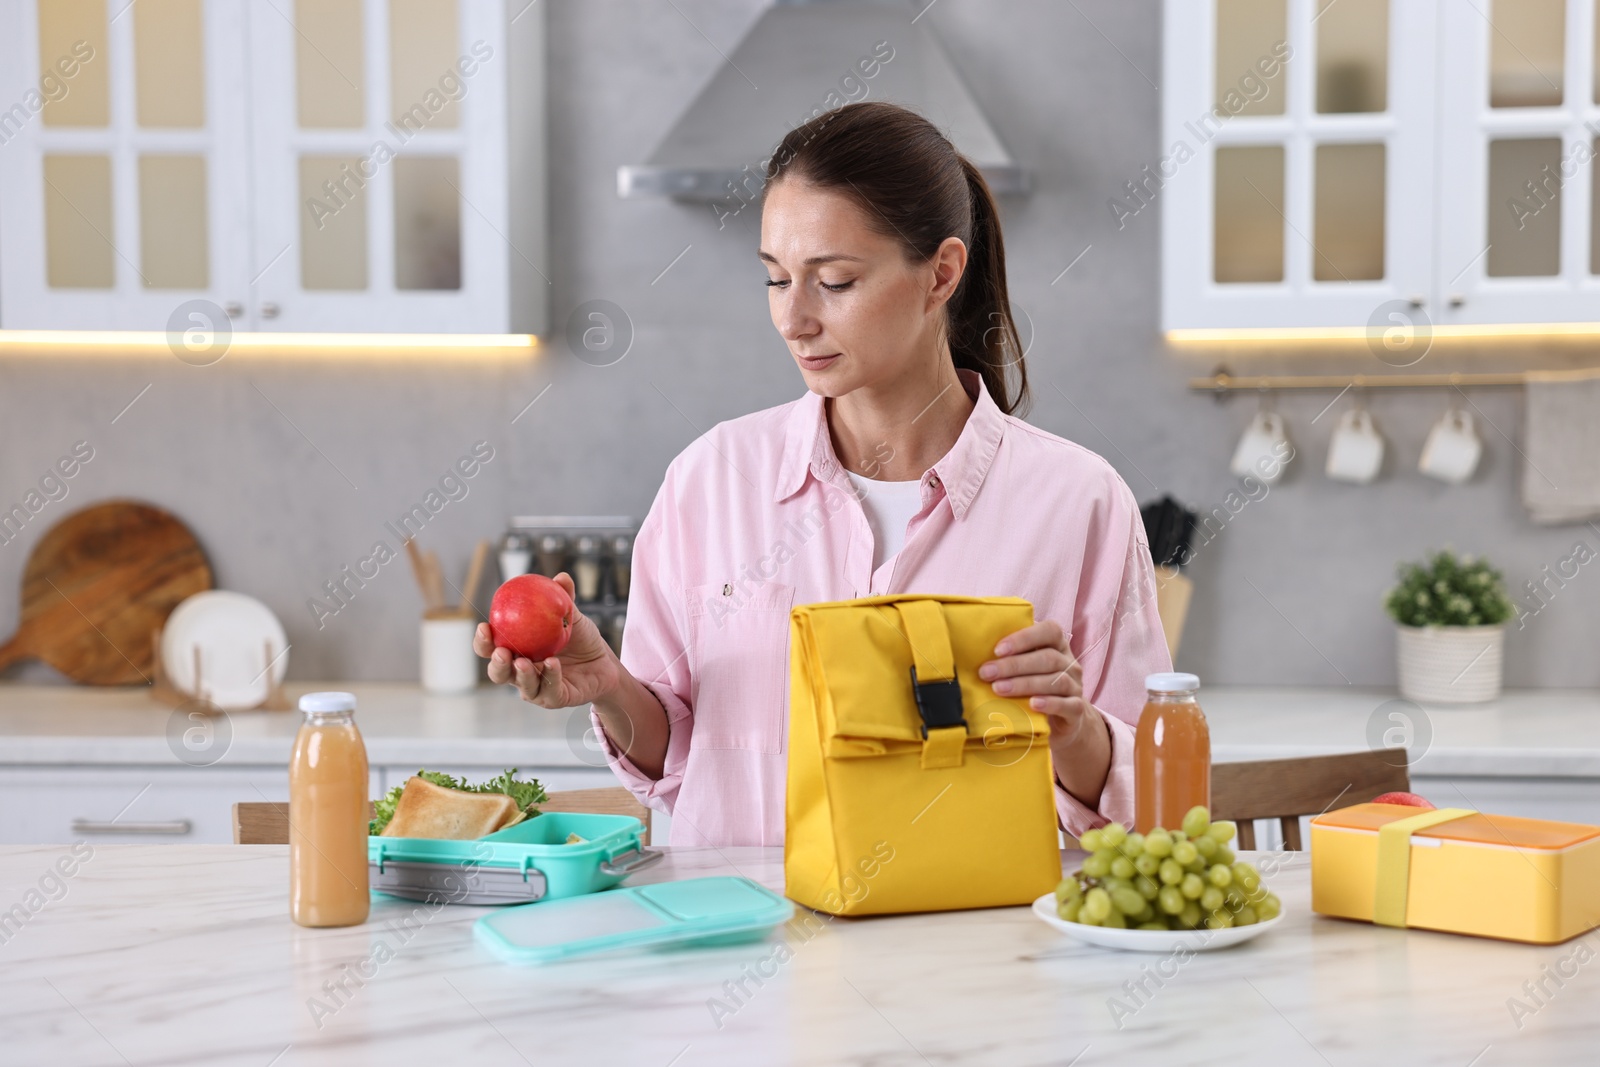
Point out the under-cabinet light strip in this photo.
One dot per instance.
(161, 339)
(1356, 333)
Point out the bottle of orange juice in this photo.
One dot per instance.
(328, 815)
(1171, 753)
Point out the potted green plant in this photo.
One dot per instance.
(1451, 612)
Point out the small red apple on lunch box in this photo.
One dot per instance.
(532, 616)
(1410, 800)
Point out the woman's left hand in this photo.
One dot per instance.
(1036, 662)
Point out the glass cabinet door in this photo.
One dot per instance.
(1297, 174)
(380, 166)
(123, 194)
(1523, 243)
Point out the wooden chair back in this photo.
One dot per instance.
(1286, 789)
(267, 823)
(610, 800)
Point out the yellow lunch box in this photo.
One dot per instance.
(1457, 870)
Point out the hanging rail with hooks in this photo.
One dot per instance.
(1221, 382)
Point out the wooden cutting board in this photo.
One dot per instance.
(98, 584)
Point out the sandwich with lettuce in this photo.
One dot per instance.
(437, 805)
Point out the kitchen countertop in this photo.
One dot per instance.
(184, 954)
(399, 722)
(1526, 733)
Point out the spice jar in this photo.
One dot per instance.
(515, 556)
(552, 554)
(586, 569)
(621, 564)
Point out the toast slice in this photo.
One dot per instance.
(428, 810)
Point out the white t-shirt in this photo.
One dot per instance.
(889, 506)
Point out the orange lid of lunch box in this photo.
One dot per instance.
(1477, 829)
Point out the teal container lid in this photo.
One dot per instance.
(720, 910)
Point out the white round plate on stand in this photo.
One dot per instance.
(232, 632)
(1150, 940)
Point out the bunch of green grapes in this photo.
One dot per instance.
(1184, 879)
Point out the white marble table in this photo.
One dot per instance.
(183, 954)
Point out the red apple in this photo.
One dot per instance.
(532, 616)
(1408, 799)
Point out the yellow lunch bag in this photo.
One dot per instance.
(912, 785)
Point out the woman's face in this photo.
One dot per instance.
(854, 312)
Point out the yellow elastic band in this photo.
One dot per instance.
(1394, 862)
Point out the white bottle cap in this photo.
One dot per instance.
(323, 702)
(1171, 682)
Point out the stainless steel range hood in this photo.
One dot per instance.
(804, 57)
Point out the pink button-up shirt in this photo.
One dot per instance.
(757, 516)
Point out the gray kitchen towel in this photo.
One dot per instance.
(1561, 453)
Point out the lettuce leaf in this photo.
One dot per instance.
(527, 794)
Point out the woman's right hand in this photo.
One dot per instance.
(583, 672)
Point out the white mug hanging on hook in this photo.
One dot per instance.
(1264, 450)
(1453, 448)
(1356, 452)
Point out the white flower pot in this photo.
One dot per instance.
(1450, 664)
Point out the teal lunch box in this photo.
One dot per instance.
(721, 910)
(528, 862)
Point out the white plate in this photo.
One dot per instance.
(232, 631)
(1150, 940)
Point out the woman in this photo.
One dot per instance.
(902, 469)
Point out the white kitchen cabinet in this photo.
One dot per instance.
(324, 166)
(131, 804)
(380, 166)
(156, 804)
(1519, 239)
(122, 194)
(1355, 164)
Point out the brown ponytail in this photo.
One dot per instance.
(916, 188)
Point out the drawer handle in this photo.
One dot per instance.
(99, 826)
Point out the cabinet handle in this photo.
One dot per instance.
(100, 826)
(233, 309)
(270, 310)
(1456, 300)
